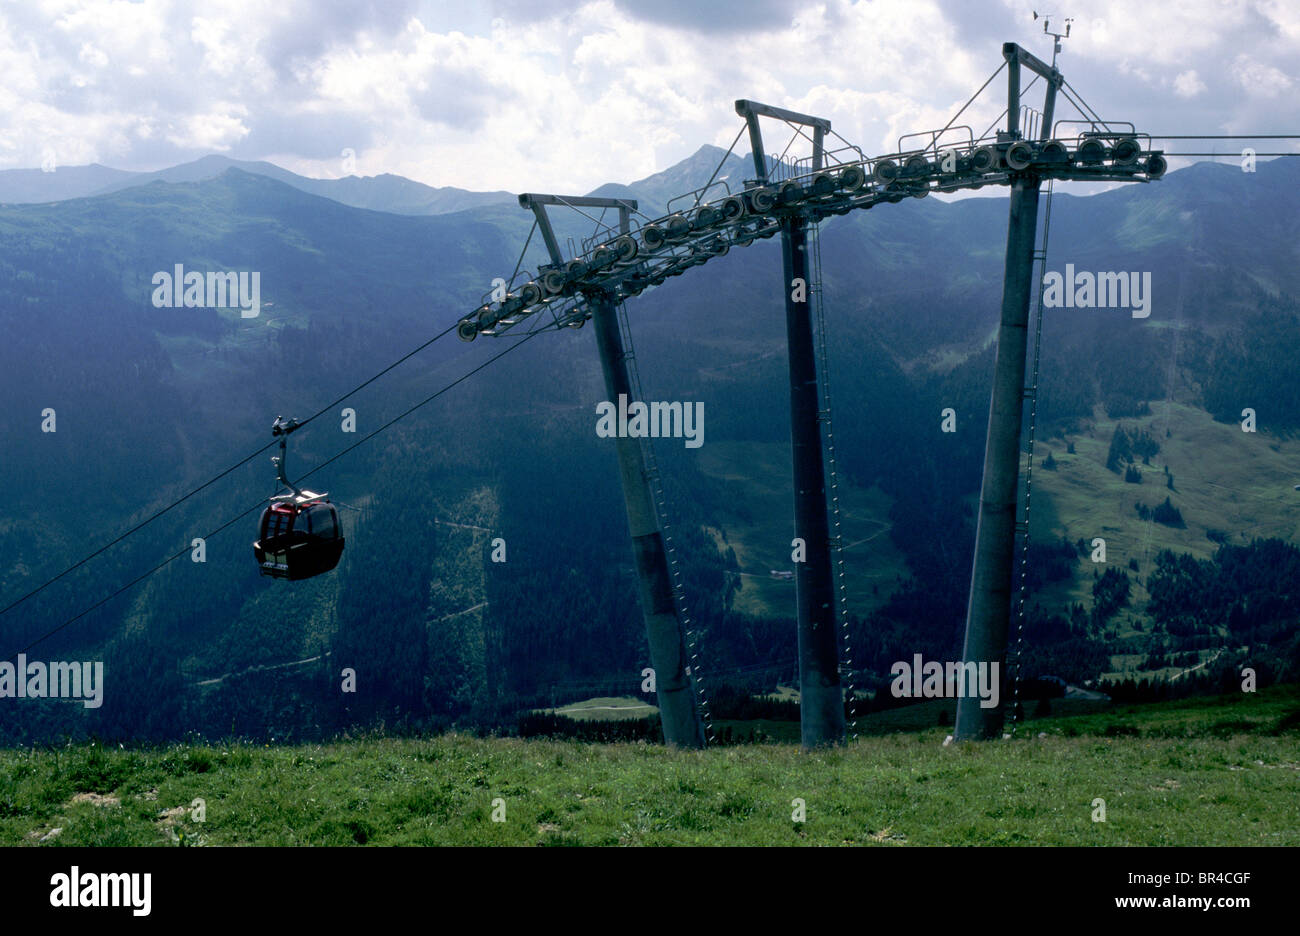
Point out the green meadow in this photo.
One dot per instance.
(1216, 771)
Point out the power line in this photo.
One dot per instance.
(1224, 136)
(215, 478)
(176, 503)
(131, 584)
(365, 383)
(259, 504)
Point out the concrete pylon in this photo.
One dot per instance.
(681, 720)
(989, 609)
(821, 700)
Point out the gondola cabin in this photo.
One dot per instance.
(299, 536)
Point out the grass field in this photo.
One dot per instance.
(606, 708)
(1201, 772)
(1237, 482)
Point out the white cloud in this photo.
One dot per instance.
(92, 56)
(566, 95)
(1188, 85)
(216, 130)
(1259, 79)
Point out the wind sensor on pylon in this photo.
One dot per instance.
(1056, 37)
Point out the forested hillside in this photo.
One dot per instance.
(152, 401)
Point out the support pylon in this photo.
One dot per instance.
(821, 700)
(681, 721)
(989, 610)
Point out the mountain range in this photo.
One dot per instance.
(384, 192)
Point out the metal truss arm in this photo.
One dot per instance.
(1017, 56)
(752, 110)
(538, 202)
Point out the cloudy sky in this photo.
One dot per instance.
(553, 95)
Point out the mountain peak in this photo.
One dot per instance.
(654, 191)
